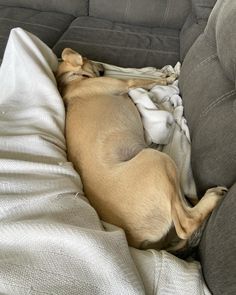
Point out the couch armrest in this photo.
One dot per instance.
(217, 247)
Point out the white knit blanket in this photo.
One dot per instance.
(51, 239)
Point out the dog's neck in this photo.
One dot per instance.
(64, 80)
(67, 77)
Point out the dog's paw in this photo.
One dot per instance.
(171, 79)
(218, 191)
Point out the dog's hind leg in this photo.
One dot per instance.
(187, 219)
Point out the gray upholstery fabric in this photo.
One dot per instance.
(153, 13)
(207, 83)
(218, 248)
(202, 8)
(209, 98)
(189, 33)
(120, 44)
(48, 26)
(127, 33)
(73, 7)
(195, 24)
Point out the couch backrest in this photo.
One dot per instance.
(152, 13)
(202, 8)
(207, 84)
(73, 7)
(195, 24)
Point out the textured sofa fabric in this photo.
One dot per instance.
(202, 8)
(149, 13)
(48, 26)
(125, 33)
(72, 7)
(195, 24)
(121, 44)
(217, 248)
(207, 85)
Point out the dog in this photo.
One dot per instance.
(129, 184)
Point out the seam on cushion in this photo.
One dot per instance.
(28, 23)
(210, 43)
(204, 5)
(3, 37)
(216, 102)
(36, 13)
(127, 10)
(124, 32)
(166, 12)
(207, 60)
(119, 47)
(197, 126)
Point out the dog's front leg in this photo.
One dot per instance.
(119, 86)
(146, 83)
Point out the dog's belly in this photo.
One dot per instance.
(102, 129)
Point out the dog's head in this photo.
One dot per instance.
(74, 66)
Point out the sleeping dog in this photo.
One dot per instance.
(130, 185)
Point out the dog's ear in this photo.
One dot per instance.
(72, 57)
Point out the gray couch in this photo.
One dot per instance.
(152, 33)
(139, 33)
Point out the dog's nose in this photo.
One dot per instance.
(101, 72)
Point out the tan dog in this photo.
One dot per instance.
(129, 184)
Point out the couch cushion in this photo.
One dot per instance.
(48, 26)
(202, 8)
(210, 103)
(226, 41)
(154, 13)
(217, 248)
(120, 44)
(189, 33)
(73, 7)
(207, 83)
